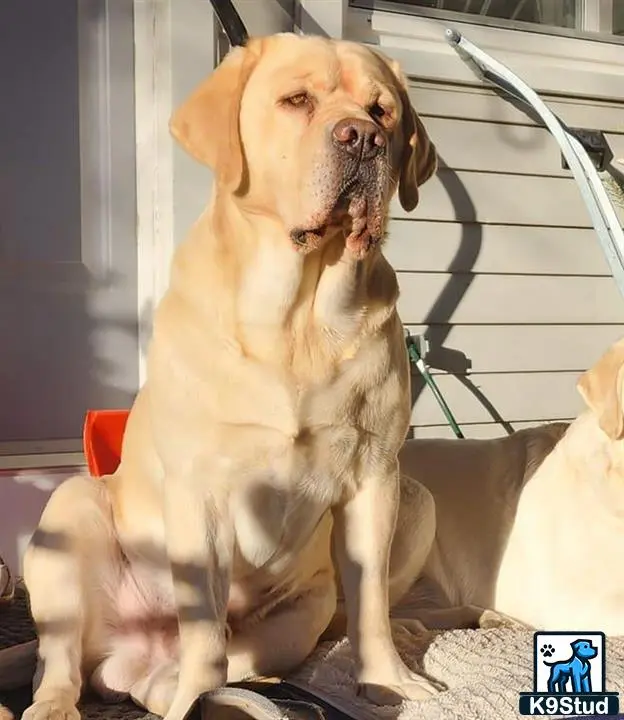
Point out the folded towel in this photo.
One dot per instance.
(484, 671)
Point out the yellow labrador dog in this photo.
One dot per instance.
(475, 488)
(275, 404)
(529, 525)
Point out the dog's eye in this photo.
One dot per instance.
(300, 100)
(376, 111)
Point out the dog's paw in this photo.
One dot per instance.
(491, 619)
(51, 710)
(547, 650)
(155, 691)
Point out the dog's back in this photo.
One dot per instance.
(476, 485)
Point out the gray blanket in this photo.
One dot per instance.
(483, 670)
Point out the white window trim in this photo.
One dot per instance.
(154, 159)
(594, 18)
(596, 15)
(549, 63)
(43, 454)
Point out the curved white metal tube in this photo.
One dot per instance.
(601, 211)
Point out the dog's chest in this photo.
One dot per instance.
(273, 525)
(277, 509)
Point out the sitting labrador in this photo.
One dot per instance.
(276, 401)
(529, 525)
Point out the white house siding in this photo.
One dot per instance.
(499, 264)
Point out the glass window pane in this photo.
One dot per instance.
(555, 13)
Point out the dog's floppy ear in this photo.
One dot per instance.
(601, 389)
(207, 124)
(419, 160)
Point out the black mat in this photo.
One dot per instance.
(16, 625)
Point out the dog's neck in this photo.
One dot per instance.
(593, 464)
(288, 305)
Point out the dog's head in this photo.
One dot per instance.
(317, 133)
(601, 388)
(584, 649)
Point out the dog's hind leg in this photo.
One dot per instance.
(413, 538)
(283, 639)
(271, 646)
(155, 690)
(62, 570)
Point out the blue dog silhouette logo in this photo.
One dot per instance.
(569, 676)
(572, 675)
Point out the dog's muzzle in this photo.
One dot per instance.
(360, 147)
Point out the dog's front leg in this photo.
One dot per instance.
(363, 531)
(199, 546)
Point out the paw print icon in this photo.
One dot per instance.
(547, 650)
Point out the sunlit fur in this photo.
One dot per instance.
(276, 400)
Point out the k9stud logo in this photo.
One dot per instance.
(569, 676)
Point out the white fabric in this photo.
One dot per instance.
(484, 671)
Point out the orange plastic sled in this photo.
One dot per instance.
(102, 436)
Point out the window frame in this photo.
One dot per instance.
(596, 18)
(555, 64)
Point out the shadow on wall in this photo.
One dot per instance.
(68, 326)
(439, 317)
(23, 496)
(67, 312)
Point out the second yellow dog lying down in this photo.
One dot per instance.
(532, 532)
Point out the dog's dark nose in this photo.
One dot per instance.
(359, 138)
